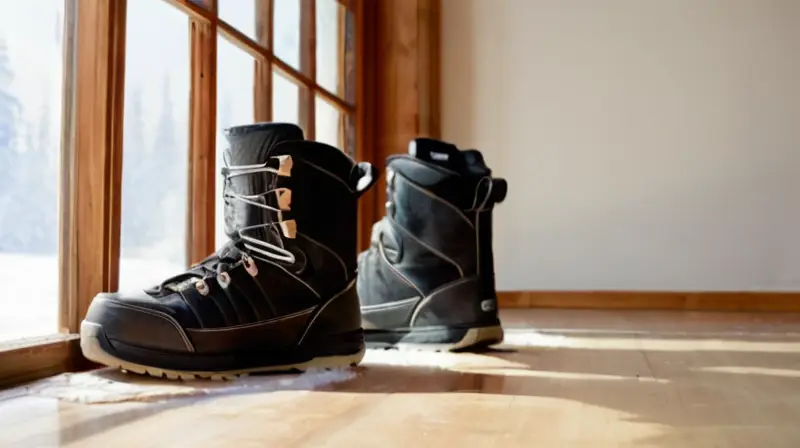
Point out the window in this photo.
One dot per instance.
(327, 123)
(285, 98)
(242, 15)
(111, 119)
(288, 32)
(330, 44)
(155, 144)
(31, 46)
(335, 72)
(246, 84)
(235, 102)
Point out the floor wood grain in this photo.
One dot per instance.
(563, 378)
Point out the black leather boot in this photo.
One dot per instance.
(428, 278)
(280, 295)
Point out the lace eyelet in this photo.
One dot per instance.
(285, 164)
(202, 287)
(250, 265)
(224, 279)
(284, 198)
(289, 228)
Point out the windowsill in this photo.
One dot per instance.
(18, 344)
(33, 358)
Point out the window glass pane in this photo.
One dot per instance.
(327, 123)
(234, 107)
(31, 42)
(287, 31)
(330, 45)
(241, 14)
(285, 95)
(250, 17)
(155, 160)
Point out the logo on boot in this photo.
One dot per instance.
(488, 305)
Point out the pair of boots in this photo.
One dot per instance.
(289, 291)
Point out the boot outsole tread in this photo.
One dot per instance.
(93, 351)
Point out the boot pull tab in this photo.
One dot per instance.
(434, 151)
(492, 190)
(364, 176)
(500, 190)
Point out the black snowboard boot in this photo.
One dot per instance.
(280, 295)
(427, 280)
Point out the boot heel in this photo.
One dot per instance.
(435, 338)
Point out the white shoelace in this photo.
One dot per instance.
(284, 198)
(271, 251)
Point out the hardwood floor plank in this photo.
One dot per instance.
(563, 378)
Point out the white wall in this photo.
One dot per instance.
(648, 144)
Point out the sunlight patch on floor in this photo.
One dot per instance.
(753, 370)
(443, 360)
(554, 375)
(644, 341)
(114, 386)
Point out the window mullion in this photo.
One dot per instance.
(202, 136)
(366, 99)
(341, 72)
(262, 81)
(308, 66)
(91, 255)
(68, 315)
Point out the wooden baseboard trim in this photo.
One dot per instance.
(653, 300)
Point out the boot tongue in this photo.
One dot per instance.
(252, 144)
(447, 155)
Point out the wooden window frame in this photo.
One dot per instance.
(389, 35)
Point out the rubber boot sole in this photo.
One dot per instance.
(435, 338)
(96, 348)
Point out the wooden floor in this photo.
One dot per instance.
(563, 378)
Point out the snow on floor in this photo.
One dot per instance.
(29, 302)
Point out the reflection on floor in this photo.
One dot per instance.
(563, 378)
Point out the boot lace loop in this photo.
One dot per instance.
(283, 197)
(231, 253)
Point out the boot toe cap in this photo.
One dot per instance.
(137, 320)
